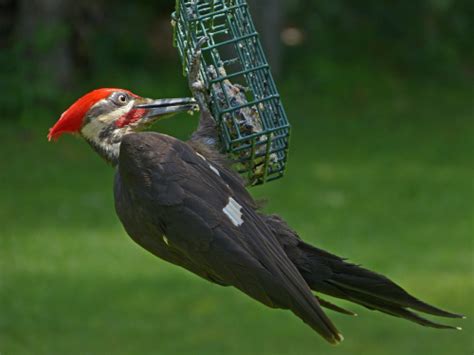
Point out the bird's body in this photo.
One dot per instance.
(182, 202)
(173, 199)
(180, 206)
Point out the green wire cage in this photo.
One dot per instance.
(243, 98)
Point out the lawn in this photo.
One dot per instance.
(381, 172)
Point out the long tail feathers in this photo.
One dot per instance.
(333, 307)
(330, 274)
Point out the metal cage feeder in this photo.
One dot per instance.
(243, 97)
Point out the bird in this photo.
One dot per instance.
(183, 202)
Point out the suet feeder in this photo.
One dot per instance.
(243, 97)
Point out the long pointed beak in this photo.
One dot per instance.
(164, 107)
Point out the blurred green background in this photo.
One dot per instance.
(380, 95)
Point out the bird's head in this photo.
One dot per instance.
(103, 116)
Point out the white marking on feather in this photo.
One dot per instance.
(233, 211)
(210, 166)
(214, 170)
(166, 240)
(201, 156)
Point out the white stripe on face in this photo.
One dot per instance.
(93, 128)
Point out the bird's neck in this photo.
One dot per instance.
(105, 140)
(109, 151)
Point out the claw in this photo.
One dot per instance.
(195, 63)
(201, 42)
(196, 84)
(206, 132)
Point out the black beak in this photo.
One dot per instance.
(164, 107)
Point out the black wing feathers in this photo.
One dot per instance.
(247, 256)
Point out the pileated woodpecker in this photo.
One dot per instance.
(182, 202)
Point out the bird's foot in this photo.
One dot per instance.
(207, 130)
(196, 84)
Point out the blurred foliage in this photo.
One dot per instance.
(107, 45)
(67, 49)
(427, 37)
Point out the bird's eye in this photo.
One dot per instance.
(122, 99)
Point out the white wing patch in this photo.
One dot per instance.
(166, 240)
(234, 211)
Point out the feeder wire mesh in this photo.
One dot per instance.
(243, 97)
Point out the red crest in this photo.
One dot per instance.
(71, 120)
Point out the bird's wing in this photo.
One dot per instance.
(214, 227)
(223, 165)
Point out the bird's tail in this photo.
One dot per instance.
(332, 275)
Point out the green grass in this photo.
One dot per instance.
(381, 171)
